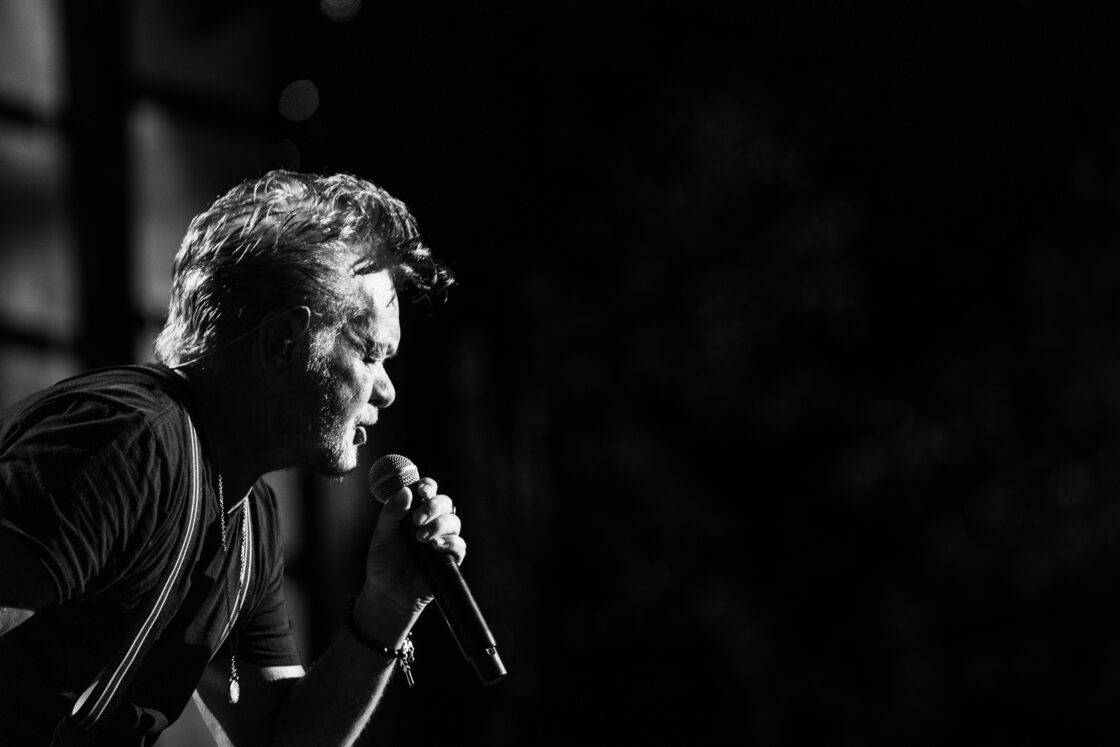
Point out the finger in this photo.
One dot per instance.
(441, 526)
(453, 545)
(437, 506)
(426, 488)
(396, 506)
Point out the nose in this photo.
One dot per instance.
(383, 392)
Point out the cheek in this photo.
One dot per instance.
(359, 385)
(341, 387)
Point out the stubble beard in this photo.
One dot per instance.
(334, 454)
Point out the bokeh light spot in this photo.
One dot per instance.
(299, 100)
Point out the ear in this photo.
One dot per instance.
(277, 346)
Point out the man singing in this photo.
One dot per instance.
(140, 555)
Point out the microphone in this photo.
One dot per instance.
(388, 475)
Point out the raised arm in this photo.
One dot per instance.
(334, 701)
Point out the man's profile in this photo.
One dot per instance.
(140, 551)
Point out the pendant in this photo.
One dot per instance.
(234, 680)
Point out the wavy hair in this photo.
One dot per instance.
(287, 240)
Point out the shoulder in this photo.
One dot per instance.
(92, 468)
(88, 411)
(128, 423)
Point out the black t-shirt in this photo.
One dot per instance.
(94, 474)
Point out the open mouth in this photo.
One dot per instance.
(360, 434)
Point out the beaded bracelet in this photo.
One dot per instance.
(404, 655)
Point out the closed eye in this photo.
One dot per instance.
(379, 353)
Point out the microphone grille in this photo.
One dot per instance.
(389, 474)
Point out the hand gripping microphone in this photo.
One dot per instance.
(388, 475)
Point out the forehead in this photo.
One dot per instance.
(380, 318)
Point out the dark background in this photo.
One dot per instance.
(779, 391)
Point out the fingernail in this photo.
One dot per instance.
(423, 535)
(421, 519)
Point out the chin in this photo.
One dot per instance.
(345, 465)
(336, 472)
(335, 461)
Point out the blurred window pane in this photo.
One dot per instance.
(38, 281)
(24, 371)
(30, 59)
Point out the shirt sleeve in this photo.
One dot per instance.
(266, 638)
(78, 490)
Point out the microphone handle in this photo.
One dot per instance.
(457, 604)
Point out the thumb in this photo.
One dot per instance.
(394, 509)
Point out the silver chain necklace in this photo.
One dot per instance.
(234, 680)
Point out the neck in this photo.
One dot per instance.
(236, 431)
